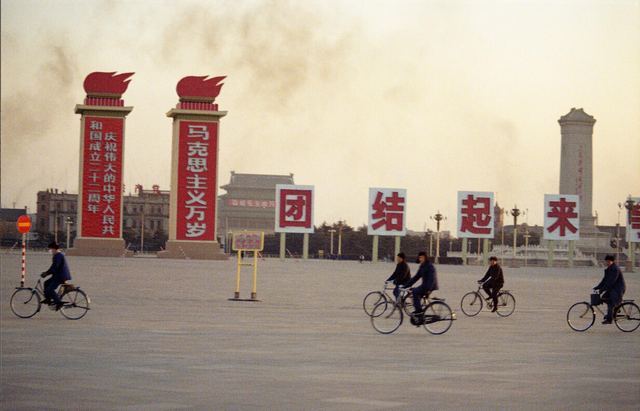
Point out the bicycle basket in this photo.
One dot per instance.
(595, 299)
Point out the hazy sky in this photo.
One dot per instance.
(431, 96)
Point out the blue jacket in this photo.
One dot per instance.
(59, 269)
(613, 284)
(428, 274)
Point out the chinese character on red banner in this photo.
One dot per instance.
(475, 214)
(561, 217)
(102, 177)
(294, 208)
(196, 193)
(387, 211)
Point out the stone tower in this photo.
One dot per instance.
(576, 176)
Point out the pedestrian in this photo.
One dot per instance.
(612, 287)
(493, 281)
(60, 274)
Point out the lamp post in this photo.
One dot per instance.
(438, 217)
(69, 222)
(631, 258)
(142, 229)
(430, 241)
(515, 212)
(618, 235)
(340, 237)
(332, 231)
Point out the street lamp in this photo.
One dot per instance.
(515, 212)
(438, 217)
(629, 205)
(69, 222)
(332, 231)
(340, 237)
(618, 235)
(430, 232)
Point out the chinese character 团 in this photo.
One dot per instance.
(476, 215)
(562, 211)
(389, 212)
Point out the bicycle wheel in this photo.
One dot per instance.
(386, 317)
(506, 304)
(471, 304)
(438, 317)
(371, 300)
(76, 304)
(581, 316)
(408, 305)
(25, 302)
(627, 317)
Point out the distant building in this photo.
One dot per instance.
(150, 206)
(9, 234)
(250, 202)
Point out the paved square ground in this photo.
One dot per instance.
(162, 335)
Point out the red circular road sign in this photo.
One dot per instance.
(24, 224)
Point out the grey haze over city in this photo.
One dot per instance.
(431, 96)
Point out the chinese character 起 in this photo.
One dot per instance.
(476, 214)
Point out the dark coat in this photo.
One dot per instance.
(494, 275)
(401, 275)
(613, 284)
(429, 278)
(59, 269)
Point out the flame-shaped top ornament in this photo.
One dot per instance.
(196, 88)
(101, 84)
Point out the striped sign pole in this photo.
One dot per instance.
(24, 225)
(24, 248)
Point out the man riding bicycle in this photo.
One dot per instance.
(401, 275)
(60, 274)
(612, 287)
(493, 281)
(429, 281)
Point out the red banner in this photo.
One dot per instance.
(197, 173)
(102, 177)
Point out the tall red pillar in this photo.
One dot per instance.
(194, 171)
(102, 129)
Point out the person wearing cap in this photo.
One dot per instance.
(59, 272)
(429, 281)
(401, 275)
(493, 281)
(612, 287)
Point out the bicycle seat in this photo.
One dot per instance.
(436, 299)
(628, 301)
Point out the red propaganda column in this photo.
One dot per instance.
(101, 166)
(194, 171)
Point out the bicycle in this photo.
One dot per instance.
(436, 316)
(472, 302)
(27, 302)
(376, 297)
(582, 315)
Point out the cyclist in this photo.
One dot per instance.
(429, 281)
(493, 281)
(59, 272)
(612, 287)
(401, 275)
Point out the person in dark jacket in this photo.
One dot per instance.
(401, 275)
(493, 281)
(612, 287)
(59, 272)
(429, 281)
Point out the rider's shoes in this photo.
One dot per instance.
(494, 309)
(607, 321)
(46, 301)
(59, 305)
